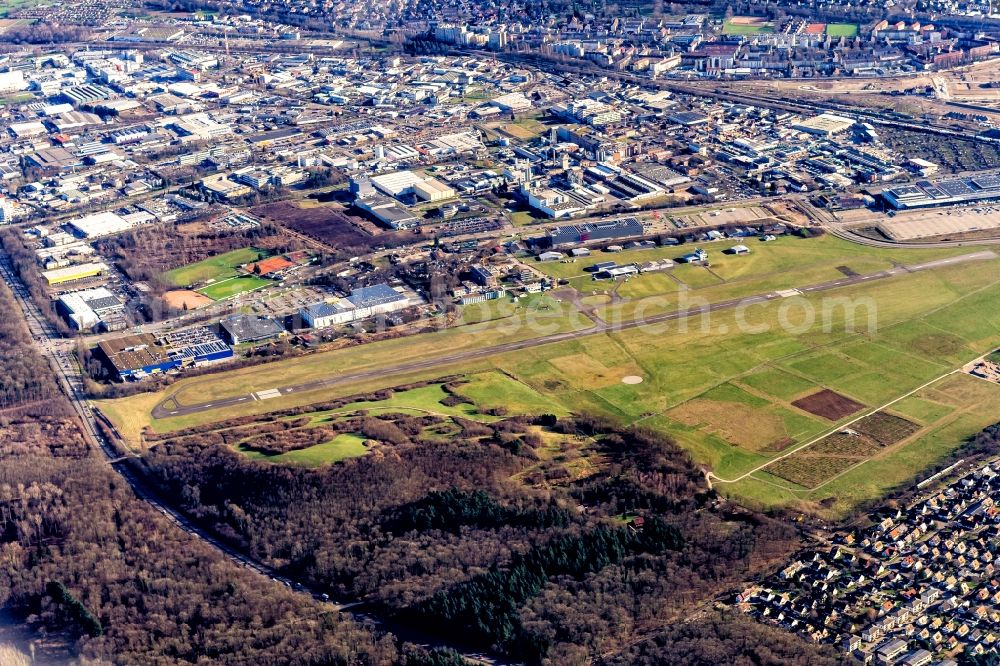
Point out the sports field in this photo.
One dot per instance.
(722, 386)
(849, 30)
(746, 25)
(216, 268)
(232, 286)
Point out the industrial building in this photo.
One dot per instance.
(196, 346)
(388, 211)
(363, 303)
(134, 356)
(325, 314)
(595, 231)
(92, 308)
(433, 189)
(240, 329)
(405, 183)
(927, 193)
(377, 299)
(99, 224)
(483, 296)
(75, 272)
(397, 183)
(615, 271)
(825, 124)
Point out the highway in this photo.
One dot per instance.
(67, 372)
(170, 407)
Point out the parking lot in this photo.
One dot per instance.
(941, 222)
(287, 300)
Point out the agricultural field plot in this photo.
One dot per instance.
(886, 429)
(216, 268)
(818, 463)
(776, 382)
(744, 420)
(830, 405)
(950, 410)
(230, 287)
(759, 366)
(812, 470)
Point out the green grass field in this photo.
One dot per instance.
(339, 448)
(849, 30)
(722, 387)
(537, 306)
(757, 27)
(784, 263)
(524, 217)
(7, 7)
(219, 267)
(17, 98)
(232, 286)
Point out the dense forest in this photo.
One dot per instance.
(27, 382)
(450, 525)
(26, 265)
(439, 527)
(103, 576)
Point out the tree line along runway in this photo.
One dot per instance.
(170, 407)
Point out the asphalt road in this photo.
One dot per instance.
(170, 406)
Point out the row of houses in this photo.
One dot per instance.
(919, 585)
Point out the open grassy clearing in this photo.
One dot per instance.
(422, 400)
(218, 267)
(924, 325)
(785, 263)
(486, 390)
(352, 359)
(536, 306)
(341, 447)
(524, 217)
(230, 287)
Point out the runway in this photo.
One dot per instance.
(171, 408)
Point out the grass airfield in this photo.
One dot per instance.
(723, 388)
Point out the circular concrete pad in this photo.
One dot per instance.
(632, 379)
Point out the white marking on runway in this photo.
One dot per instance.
(268, 394)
